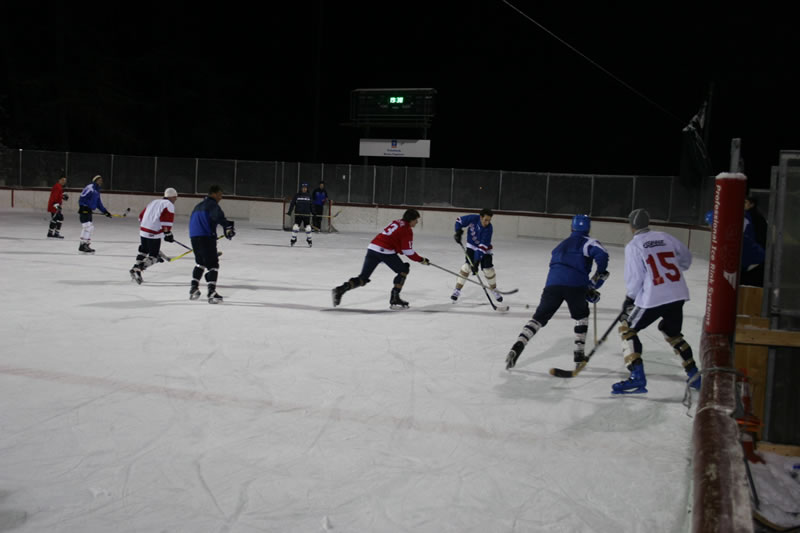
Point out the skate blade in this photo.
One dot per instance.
(640, 390)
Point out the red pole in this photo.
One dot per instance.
(725, 253)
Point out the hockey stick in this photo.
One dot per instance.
(181, 244)
(123, 214)
(470, 280)
(184, 254)
(560, 373)
(502, 308)
(594, 311)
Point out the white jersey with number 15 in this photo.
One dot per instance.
(654, 266)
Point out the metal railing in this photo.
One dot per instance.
(667, 198)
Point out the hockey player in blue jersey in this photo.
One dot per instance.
(478, 250)
(206, 216)
(568, 279)
(88, 202)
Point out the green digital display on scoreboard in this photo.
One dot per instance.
(395, 99)
(392, 105)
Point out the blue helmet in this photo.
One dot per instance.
(709, 218)
(581, 223)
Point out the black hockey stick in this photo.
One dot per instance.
(470, 280)
(560, 373)
(181, 244)
(502, 308)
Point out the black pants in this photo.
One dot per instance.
(302, 220)
(486, 260)
(205, 252)
(317, 211)
(671, 315)
(85, 214)
(552, 298)
(373, 259)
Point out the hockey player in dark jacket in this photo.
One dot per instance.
(301, 207)
(206, 216)
(568, 279)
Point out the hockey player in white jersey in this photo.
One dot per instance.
(155, 223)
(656, 289)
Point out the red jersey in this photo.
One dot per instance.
(56, 196)
(397, 238)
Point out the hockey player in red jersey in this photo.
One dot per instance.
(155, 223)
(396, 238)
(57, 196)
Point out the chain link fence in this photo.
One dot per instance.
(666, 197)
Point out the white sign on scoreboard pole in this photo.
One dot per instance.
(394, 148)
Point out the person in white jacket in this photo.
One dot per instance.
(655, 289)
(155, 224)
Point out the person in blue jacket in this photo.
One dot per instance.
(478, 250)
(318, 198)
(88, 202)
(206, 216)
(568, 279)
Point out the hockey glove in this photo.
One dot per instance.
(425, 261)
(108, 214)
(459, 235)
(592, 295)
(57, 207)
(65, 197)
(599, 278)
(169, 237)
(229, 232)
(627, 309)
(474, 267)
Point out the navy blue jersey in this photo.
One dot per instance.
(301, 204)
(478, 237)
(90, 197)
(571, 260)
(205, 218)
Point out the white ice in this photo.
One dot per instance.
(131, 408)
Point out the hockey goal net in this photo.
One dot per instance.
(325, 219)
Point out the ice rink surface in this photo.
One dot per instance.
(130, 408)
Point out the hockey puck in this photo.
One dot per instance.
(527, 306)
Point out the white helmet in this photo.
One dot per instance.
(170, 193)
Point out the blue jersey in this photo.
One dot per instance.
(479, 238)
(205, 218)
(752, 252)
(319, 196)
(571, 260)
(90, 197)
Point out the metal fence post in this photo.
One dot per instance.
(669, 206)
(633, 195)
(235, 173)
(20, 167)
(547, 192)
(155, 174)
(374, 181)
(452, 181)
(405, 188)
(275, 182)
(591, 196)
(391, 182)
(66, 164)
(196, 166)
(111, 177)
(349, 180)
(500, 191)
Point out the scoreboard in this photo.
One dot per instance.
(392, 107)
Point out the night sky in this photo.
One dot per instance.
(274, 83)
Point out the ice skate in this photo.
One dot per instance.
(136, 275)
(497, 296)
(336, 295)
(455, 295)
(194, 293)
(85, 248)
(694, 382)
(214, 297)
(294, 240)
(636, 384)
(513, 354)
(309, 242)
(395, 302)
(579, 357)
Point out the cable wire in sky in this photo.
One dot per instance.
(600, 67)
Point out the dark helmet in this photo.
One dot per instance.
(581, 223)
(304, 185)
